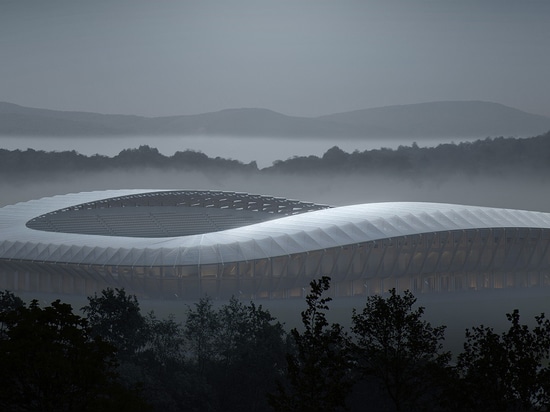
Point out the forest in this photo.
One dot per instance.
(491, 156)
(109, 356)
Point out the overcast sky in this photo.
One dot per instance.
(298, 57)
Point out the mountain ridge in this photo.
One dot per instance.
(431, 119)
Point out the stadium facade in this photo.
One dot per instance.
(188, 243)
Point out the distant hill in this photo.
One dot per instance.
(248, 122)
(20, 120)
(445, 119)
(438, 119)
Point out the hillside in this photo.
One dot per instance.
(445, 119)
(441, 119)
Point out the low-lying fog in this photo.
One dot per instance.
(511, 191)
(457, 312)
(264, 150)
(339, 189)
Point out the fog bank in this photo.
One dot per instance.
(510, 191)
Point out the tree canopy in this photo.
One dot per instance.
(318, 369)
(496, 156)
(233, 356)
(399, 349)
(51, 362)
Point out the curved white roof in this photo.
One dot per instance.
(299, 233)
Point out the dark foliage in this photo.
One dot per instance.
(115, 317)
(507, 371)
(319, 369)
(150, 351)
(8, 303)
(220, 360)
(51, 362)
(30, 161)
(237, 351)
(237, 357)
(491, 156)
(402, 352)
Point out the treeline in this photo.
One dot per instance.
(30, 161)
(238, 357)
(493, 156)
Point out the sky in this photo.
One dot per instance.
(297, 57)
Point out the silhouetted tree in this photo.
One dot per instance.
(238, 350)
(318, 371)
(492, 156)
(165, 341)
(399, 349)
(252, 350)
(507, 371)
(202, 329)
(8, 302)
(51, 362)
(160, 367)
(116, 318)
(335, 158)
(143, 156)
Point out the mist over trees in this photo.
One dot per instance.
(52, 362)
(30, 162)
(491, 156)
(235, 356)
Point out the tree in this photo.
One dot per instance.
(318, 371)
(160, 367)
(399, 349)
(8, 302)
(505, 371)
(252, 346)
(201, 330)
(236, 349)
(165, 341)
(116, 318)
(51, 362)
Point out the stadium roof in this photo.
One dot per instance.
(301, 227)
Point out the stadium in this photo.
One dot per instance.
(189, 243)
